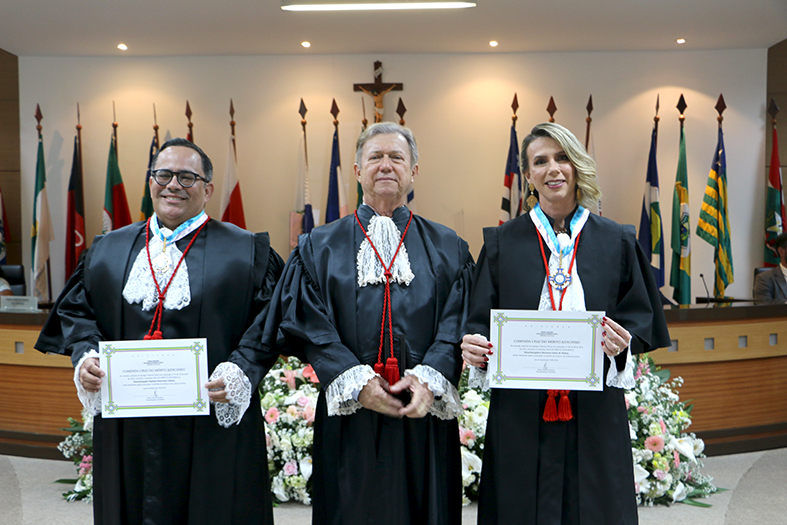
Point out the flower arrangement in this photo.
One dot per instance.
(78, 447)
(472, 431)
(667, 460)
(289, 400)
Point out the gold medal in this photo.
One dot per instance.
(162, 263)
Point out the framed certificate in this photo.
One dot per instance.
(159, 377)
(543, 350)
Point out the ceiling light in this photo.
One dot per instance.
(493, 43)
(122, 47)
(306, 44)
(681, 41)
(370, 5)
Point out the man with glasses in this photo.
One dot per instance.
(177, 275)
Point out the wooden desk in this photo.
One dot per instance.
(40, 392)
(734, 364)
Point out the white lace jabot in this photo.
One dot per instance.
(165, 255)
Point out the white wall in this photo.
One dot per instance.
(458, 106)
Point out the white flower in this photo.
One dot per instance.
(632, 433)
(685, 446)
(471, 464)
(306, 467)
(631, 397)
(472, 399)
(680, 492)
(699, 446)
(279, 490)
(640, 474)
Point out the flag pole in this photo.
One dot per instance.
(79, 134)
(401, 110)
(39, 128)
(656, 120)
(155, 126)
(115, 130)
(588, 120)
(551, 109)
(191, 126)
(302, 110)
(232, 130)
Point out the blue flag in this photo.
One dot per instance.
(651, 232)
(337, 201)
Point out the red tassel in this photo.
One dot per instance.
(391, 370)
(564, 410)
(148, 337)
(379, 367)
(157, 335)
(550, 410)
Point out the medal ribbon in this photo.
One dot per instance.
(158, 312)
(391, 370)
(551, 411)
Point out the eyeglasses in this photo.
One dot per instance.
(186, 179)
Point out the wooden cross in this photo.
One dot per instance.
(378, 89)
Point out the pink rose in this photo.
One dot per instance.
(310, 374)
(654, 443)
(267, 441)
(272, 415)
(86, 465)
(627, 403)
(659, 474)
(303, 401)
(676, 458)
(290, 468)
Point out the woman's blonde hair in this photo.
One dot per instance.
(588, 191)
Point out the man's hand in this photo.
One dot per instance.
(421, 398)
(216, 391)
(376, 396)
(90, 375)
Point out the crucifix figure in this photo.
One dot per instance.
(377, 90)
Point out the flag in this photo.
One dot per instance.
(337, 198)
(775, 218)
(231, 201)
(42, 232)
(651, 233)
(680, 275)
(301, 218)
(75, 216)
(511, 206)
(116, 214)
(146, 209)
(714, 223)
(3, 227)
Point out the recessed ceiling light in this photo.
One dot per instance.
(122, 47)
(493, 43)
(681, 41)
(369, 5)
(306, 44)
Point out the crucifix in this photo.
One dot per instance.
(377, 90)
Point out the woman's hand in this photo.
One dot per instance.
(475, 349)
(615, 338)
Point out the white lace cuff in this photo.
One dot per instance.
(447, 403)
(342, 394)
(623, 379)
(478, 378)
(238, 389)
(90, 400)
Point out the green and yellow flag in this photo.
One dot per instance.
(714, 224)
(680, 275)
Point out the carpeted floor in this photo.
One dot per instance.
(755, 481)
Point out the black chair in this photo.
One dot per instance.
(758, 271)
(15, 275)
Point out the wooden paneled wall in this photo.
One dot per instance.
(10, 178)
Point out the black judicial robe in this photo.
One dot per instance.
(370, 468)
(533, 470)
(184, 470)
